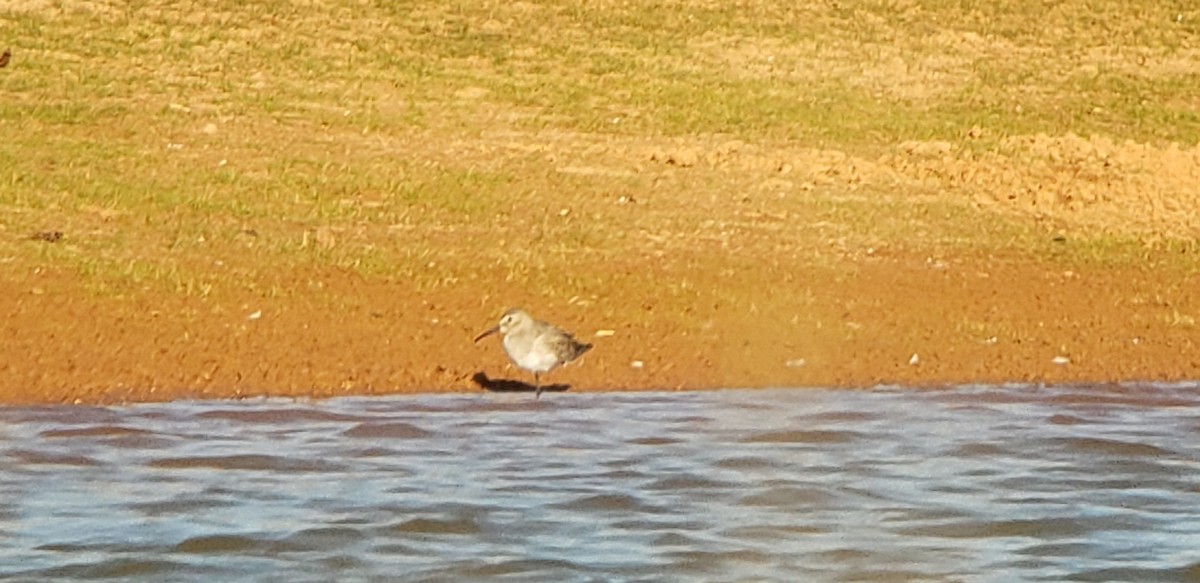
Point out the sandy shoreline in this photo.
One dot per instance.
(965, 321)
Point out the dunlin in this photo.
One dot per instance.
(534, 345)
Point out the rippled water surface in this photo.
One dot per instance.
(967, 484)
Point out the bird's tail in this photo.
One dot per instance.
(581, 348)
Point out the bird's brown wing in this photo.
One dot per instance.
(566, 346)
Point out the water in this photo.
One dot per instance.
(967, 484)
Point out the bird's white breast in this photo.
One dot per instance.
(530, 353)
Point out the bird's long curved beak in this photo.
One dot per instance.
(488, 332)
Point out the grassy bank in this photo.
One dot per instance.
(354, 135)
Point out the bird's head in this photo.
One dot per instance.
(511, 319)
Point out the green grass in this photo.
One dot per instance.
(156, 138)
(826, 74)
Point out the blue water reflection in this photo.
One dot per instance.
(969, 483)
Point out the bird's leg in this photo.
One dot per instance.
(537, 386)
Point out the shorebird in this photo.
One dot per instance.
(534, 345)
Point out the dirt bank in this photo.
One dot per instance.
(712, 267)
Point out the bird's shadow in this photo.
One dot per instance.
(510, 386)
